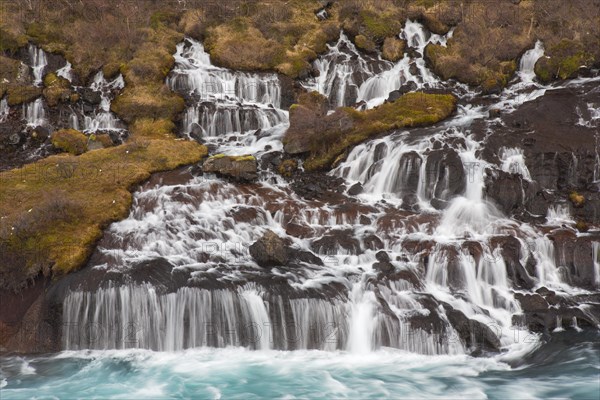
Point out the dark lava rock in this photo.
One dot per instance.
(90, 96)
(337, 240)
(242, 168)
(373, 242)
(270, 250)
(382, 256)
(355, 189)
(476, 335)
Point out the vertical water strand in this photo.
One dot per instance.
(34, 113)
(596, 258)
(4, 110)
(39, 61)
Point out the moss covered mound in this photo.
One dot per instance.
(70, 141)
(327, 138)
(53, 211)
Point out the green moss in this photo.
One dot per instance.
(353, 127)
(287, 168)
(378, 26)
(147, 102)
(147, 127)
(93, 187)
(19, 94)
(70, 141)
(247, 157)
(577, 199)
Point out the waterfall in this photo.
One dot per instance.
(347, 76)
(513, 162)
(34, 113)
(596, 258)
(417, 260)
(528, 60)
(4, 110)
(102, 119)
(224, 101)
(66, 72)
(38, 60)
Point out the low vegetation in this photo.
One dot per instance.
(53, 211)
(325, 138)
(70, 141)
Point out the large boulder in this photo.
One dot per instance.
(270, 250)
(241, 168)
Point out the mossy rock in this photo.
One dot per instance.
(364, 43)
(287, 168)
(147, 102)
(327, 137)
(393, 49)
(53, 80)
(19, 94)
(55, 95)
(70, 141)
(562, 61)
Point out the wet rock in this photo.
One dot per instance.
(506, 190)
(270, 250)
(373, 242)
(196, 132)
(476, 335)
(531, 302)
(406, 275)
(382, 256)
(271, 160)
(247, 214)
(337, 241)
(40, 133)
(90, 96)
(576, 255)
(495, 113)
(384, 267)
(445, 175)
(355, 189)
(511, 254)
(318, 186)
(242, 168)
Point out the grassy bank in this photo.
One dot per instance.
(53, 211)
(328, 137)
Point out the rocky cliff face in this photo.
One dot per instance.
(424, 214)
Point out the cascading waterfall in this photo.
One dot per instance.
(34, 113)
(39, 62)
(103, 119)
(202, 227)
(66, 72)
(528, 60)
(347, 76)
(224, 101)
